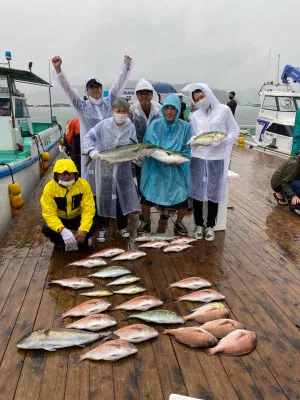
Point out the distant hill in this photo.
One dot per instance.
(42, 97)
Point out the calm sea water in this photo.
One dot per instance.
(245, 115)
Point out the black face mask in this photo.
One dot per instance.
(230, 97)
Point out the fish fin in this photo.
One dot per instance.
(190, 311)
(168, 286)
(133, 141)
(112, 336)
(88, 161)
(81, 345)
(49, 348)
(168, 153)
(127, 317)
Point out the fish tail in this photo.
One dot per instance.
(47, 284)
(161, 330)
(127, 317)
(190, 311)
(59, 316)
(168, 286)
(164, 299)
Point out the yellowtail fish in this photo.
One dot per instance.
(206, 139)
(97, 293)
(124, 280)
(159, 317)
(133, 289)
(169, 156)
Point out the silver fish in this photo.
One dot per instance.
(141, 303)
(159, 317)
(73, 283)
(150, 237)
(132, 289)
(109, 351)
(111, 272)
(127, 153)
(88, 262)
(183, 240)
(176, 247)
(111, 252)
(87, 308)
(97, 293)
(52, 339)
(169, 156)
(130, 255)
(206, 139)
(94, 322)
(136, 333)
(156, 244)
(124, 280)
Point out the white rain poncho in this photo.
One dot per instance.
(207, 178)
(91, 113)
(112, 180)
(141, 122)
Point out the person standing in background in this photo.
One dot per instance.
(232, 102)
(183, 107)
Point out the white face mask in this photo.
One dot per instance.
(120, 118)
(203, 104)
(95, 101)
(65, 183)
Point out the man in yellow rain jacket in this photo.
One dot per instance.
(68, 205)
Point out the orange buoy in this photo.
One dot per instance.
(45, 156)
(14, 189)
(241, 141)
(17, 202)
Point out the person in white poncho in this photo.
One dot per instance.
(96, 108)
(209, 164)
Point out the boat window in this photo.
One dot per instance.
(270, 103)
(286, 104)
(297, 100)
(21, 109)
(4, 107)
(279, 129)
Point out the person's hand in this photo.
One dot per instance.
(175, 163)
(80, 236)
(214, 144)
(94, 154)
(191, 142)
(68, 237)
(56, 62)
(128, 61)
(295, 200)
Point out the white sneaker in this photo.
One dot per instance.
(124, 233)
(102, 236)
(199, 232)
(209, 234)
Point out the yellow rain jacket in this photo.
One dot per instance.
(67, 202)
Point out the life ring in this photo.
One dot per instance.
(287, 103)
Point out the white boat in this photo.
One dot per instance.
(22, 141)
(275, 122)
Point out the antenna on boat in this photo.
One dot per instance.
(278, 66)
(50, 100)
(268, 63)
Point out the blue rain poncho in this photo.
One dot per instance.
(208, 178)
(91, 112)
(296, 135)
(112, 180)
(166, 184)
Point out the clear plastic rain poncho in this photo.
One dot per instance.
(141, 122)
(208, 179)
(91, 112)
(112, 180)
(166, 184)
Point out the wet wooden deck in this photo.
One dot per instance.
(255, 264)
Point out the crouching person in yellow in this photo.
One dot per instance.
(68, 205)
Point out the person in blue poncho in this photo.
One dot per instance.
(162, 184)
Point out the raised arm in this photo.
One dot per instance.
(122, 78)
(62, 81)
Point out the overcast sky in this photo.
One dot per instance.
(223, 43)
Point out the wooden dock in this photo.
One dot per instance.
(255, 264)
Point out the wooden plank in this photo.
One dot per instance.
(13, 360)
(8, 279)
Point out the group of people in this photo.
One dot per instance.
(84, 204)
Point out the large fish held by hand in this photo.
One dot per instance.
(128, 152)
(206, 139)
(169, 156)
